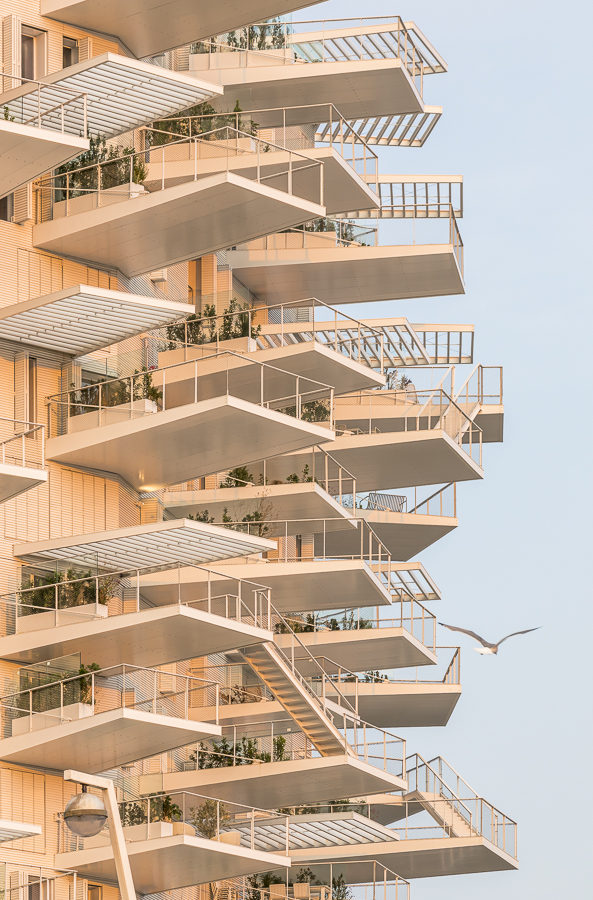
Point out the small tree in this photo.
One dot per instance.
(209, 817)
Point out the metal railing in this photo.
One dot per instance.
(447, 671)
(195, 815)
(407, 613)
(22, 443)
(36, 104)
(180, 161)
(78, 597)
(269, 327)
(375, 412)
(483, 386)
(292, 128)
(224, 374)
(318, 234)
(44, 883)
(56, 702)
(442, 502)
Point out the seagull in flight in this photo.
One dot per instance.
(487, 648)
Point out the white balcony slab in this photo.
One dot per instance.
(343, 188)
(407, 534)
(15, 480)
(15, 831)
(155, 230)
(176, 861)
(81, 319)
(403, 459)
(151, 637)
(27, 152)
(288, 783)
(416, 858)
(404, 704)
(491, 420)
(122, 93)
(148, 29)
(362, 649)
(295, 586)
(361, 89)
(102, 741)
(311, 360)
(180, 540)
(285, 501)
(338, 275)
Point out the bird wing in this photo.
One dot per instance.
(527, 630)
(471, 634)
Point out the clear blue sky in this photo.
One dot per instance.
(517, 125)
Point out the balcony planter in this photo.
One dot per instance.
(111, 415)
(69, 616)
(39, 721)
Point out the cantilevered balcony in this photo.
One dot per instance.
(296, 337)
(278, 759)
(45, 122)
(403, 636)
(201, 195)
(441, 827)
(22, 457)
(107, 718)
(371, 69)
(181, 839)
(396, 698)
(481, 397)
(127, 425)
(354, 263)
(15, 831)
(150, 30)
(179, 541)
(81, 319)
(106, 618)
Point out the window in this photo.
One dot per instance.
(6, 208)
(32, 52)
(69, 52)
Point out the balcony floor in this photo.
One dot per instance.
(296, 586)
(152, 637)
(282, 784)
(103, 741)
(28, 152)
(167, 863)
(365, 648)
(152, 231)
(404, 705)
(340, 275)
(239, 432)
(15, 480)
(359, 89)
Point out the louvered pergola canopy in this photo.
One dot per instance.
(121, 94)
(182, 541)
(81, 319)
(14, 831)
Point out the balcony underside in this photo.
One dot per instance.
(296, 587)
(343, 188)
(285, 501)
(28, 152)
(491, 420)
(407, 534)
(341, 275)
(309, 360)
(15, 480)
(405, 459)
(180, 541)
(362, 649)
(103, 741)
(233, 432)
(404, 705)
(152, 637)
(152, 231)
(416, 858)
(81, 319)
(149, 29)
(14, 831)
(359, 89)
(167, 863)
(282, 784)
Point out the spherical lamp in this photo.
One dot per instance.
(85, 814)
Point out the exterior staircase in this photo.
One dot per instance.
(445, 813)
(270, 664)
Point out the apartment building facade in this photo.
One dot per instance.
(215, 484)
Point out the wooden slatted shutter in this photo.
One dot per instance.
(11, 51)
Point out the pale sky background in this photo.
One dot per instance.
(517, 124)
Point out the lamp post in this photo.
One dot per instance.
(85, 815)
